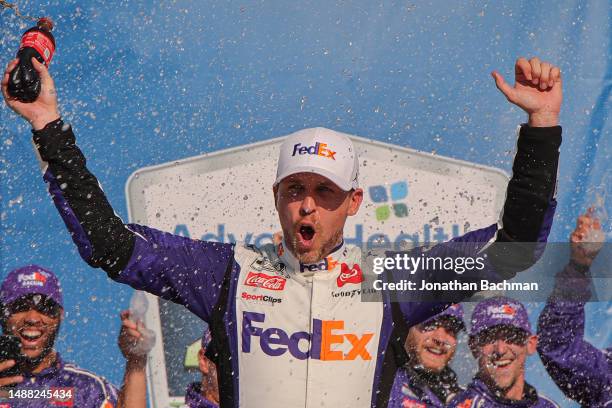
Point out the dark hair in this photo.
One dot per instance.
(3, 317)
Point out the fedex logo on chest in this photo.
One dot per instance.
(327, 264)
(319, 345)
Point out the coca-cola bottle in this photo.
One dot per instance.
(37, 42)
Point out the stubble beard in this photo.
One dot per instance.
(316, 254)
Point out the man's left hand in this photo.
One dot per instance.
(537, 90)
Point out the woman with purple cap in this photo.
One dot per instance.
(426, 380)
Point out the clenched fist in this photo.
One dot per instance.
(44, 109)
(537, 90)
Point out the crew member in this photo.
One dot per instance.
(501, 341)
(426, 380)
(32, 311)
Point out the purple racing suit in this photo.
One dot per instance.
(412, 389)
(68, 386)
(582, 371)
(195, 399)
(288, 334)
(478, 395)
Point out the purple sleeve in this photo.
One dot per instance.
(91, 390)
(100, 235)
(195, 399)
(517, 242)
(182, 270)
(418, 306)
(579, 369)
(467, 398)
(397, 395)
(502, 260)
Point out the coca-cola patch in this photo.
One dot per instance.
(349, 275)
(261, 280)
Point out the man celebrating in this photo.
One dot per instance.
(280, 336)
(580, 370)
(501, 340)
(32, 305)
(427, 380)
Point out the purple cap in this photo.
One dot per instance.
(455, 310)
(28, 280)
(206, 338)
(499, 311)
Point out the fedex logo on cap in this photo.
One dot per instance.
(275, 342)
(504, 311)
(32, 279)
(318, 149)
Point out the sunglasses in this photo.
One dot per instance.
(40, 303)
(511, 335)
(450, 323)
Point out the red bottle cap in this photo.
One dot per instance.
(45, 23)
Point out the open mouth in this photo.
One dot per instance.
(503, 363)
(436, 351)
(30, 337)
(306, 233)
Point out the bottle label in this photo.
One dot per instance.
(41, 43)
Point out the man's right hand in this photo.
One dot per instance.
(4, 381)
(134, 339)
(587, 239)
(44, 109)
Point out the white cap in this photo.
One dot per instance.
(322, 151)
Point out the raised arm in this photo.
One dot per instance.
(530, 196)
(515, 243)
(580, 370)
(178, 269)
